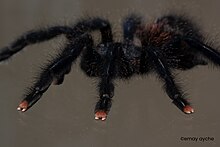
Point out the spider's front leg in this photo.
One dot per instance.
(55, 71)
(33, 37)
(170, 86)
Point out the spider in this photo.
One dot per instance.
(170, 42)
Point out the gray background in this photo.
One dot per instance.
(142, 114)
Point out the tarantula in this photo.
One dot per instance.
(170, 42)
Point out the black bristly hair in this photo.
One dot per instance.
(170, 42)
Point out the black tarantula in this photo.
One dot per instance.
(170, 42)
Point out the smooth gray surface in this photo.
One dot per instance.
(142, 114)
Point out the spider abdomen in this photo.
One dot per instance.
(180, 25)
(166, 35)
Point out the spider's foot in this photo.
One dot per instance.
(23, 106)
(101, 114)
(184, 106)
(188, 109)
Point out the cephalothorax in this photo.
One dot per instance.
(171, 42)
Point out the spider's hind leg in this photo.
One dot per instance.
(207, 51)
(181, 56)
(172, 89)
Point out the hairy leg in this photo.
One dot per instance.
(106, 92)
(106, 86)
(130, 25)
(32, 37)
(173, 91)
(207, 51)
(37, 36)
(93, 24)
(55, 71)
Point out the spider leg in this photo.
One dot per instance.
(93, 24)
(106, 87)
(132, 55)
(207, 51)
(106, 92)
(130, 26)
(55, 71)
(32, 37)
(71, 33)
(172, 89)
